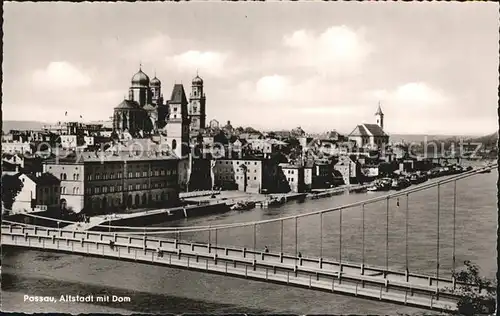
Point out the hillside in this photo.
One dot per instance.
(410, 138)
(488, 140)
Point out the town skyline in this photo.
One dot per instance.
(322, 74)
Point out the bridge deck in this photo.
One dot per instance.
(368, 282)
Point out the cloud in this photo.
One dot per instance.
(413, 97)
(273, 88)
(339, 50)
(211, 63)
(60, 74)
(149, 50)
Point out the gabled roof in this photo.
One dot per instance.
(368, 130)
(178, 95)
(359, 130)
(375, 130)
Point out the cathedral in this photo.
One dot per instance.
(145, 112)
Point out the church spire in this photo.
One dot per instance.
(379, 110)
(380, 116)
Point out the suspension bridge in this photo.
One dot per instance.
(288, 263)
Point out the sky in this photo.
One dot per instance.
(433, 66)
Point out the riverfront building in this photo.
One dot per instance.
(253, 175)
(101, 182)
(40, 191)
(295, 177)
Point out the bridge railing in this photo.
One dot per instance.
(141, 242)
(146, 250)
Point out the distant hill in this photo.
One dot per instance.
(409, 138)
(488, 140)
(21, 125)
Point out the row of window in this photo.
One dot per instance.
(237, 178)
(137, 174)
(290, 171)
(220, 162)
(64, 176)
(49, 200)
(232, 170)
(130, 187)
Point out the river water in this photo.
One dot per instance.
(155, 289)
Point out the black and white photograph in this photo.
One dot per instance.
(233, 157)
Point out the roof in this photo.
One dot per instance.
(128, 104)
(368, 130)
(7, 166)
(178, 95)
(149, 107)
(43, 179)
(197, 80)
(379, 111)
(120, 155)
(155, 82)
(375, 129)
(140, 79)
(289, 166)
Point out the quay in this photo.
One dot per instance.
(141, 218)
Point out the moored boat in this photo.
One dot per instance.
(381, 185)
(243, 206)
(400, 183)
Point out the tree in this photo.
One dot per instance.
(11, 186)
(477, 293)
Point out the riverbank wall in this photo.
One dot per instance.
(148, 217)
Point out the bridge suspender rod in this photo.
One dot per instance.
(437, 237)
(406, 232)
(296, 238)
(363, 234)
(254, 239)
(387, 237)
(340, 237)
(321, 235)
(454, 221)
(216, 240)
(281, 237)
(209, 236)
